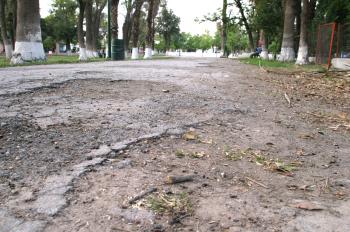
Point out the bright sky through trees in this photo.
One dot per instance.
(187, 10)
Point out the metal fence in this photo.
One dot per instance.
(333, 40)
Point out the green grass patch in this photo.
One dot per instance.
(288, 66)
(52, 59)
(64, 59)
(174, 204)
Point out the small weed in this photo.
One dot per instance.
(196, 155)
(282, 167)
(180, 153)
(273, 164)
(235, 155)
(170, 204)
(190, 135)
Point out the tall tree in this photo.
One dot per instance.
(168, 25)
(81, 38)
(62, 21)
(89, 28)
(97, 15)
(155, 13)
(303, 51)
(114, 18)
(93, 14)
(224, 26)
(127, 25)
(136, 28)
(287, 50)
(4, 32)
(153, 6)
(28, 46)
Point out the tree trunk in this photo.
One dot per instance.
(264, 53)
(28, 46)
(149, 36)
(6, 40)
(136, 29)
(224, 29)
(81, 39)
(96, 21)
(155, 13)
(68, 47)
(246, 24)
(13, 17)
(287, 50)
(114, 18)
(303, 55)
(127, 26)
(89, 29)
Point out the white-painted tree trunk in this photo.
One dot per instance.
(287, 54)
(264, 55)
(148, 53)
(82, 54)
(135, 54)
(91, 54)
(28, 51)
(8, 51)
(302, 56)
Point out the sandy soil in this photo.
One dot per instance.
(267, 151)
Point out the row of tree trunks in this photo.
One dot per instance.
(4, 33)
(292, 12)
(287, 49)
(91, 11)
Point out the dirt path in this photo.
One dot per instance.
(78, 141)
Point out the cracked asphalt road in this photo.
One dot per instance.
(59, 121)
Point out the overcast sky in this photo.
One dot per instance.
(187, 10)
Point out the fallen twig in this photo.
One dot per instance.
(256, 182)
(288, 99)
(178, 179)
(142, 195)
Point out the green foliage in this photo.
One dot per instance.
(61, 23)
(269, 17)
(333, 11)
(49, 43)
(237, 40)
(168, 26)
(274, 47)
(268, 63)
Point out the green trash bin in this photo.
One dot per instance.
(118, 49)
